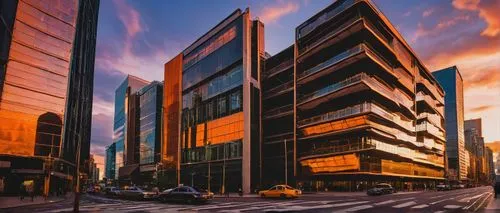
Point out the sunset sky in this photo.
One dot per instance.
(138, 37)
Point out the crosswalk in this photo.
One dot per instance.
(449, 203)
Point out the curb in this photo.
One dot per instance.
(36, 204)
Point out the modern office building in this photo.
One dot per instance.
(110, 159)
(148, 137)
(452, 83)
(125, 123)
(47, 53)
(277, 118)
(474, 141)
(490, 171)
(212, 89)
(366, 109)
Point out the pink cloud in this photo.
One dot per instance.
(428, 12)
(129, 17)
(271, 14)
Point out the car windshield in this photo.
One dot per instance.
(289, 187)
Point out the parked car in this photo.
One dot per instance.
(443, 187)
(111, 191)
(138, 193)
(380, 189)
(281, 191)
(185, 194)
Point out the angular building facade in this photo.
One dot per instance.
(46, 77)
(110, 167)
(452, 82)
(212, 89)
(366, 109)
(125, 123)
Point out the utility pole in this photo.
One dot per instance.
(207, 151)
(286, 165)
(224, 171)
(76, 203)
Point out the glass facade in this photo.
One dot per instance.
(129, 86)
(149, 120)
(36, 75)
(452, 83)
(110, 161)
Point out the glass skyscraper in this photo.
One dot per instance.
(47, 51)
(129, 86)
(452, 83)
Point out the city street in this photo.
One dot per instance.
(462, 200)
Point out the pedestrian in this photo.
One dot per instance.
(22, 191)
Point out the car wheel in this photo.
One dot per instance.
(282, 196)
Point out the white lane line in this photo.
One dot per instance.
(468, 199)
(433, 197)
(439, 201)
(353, 209)
(300, 208)
(384, 202)
(405, 204)
(420, 206)
(452, 207)
(473, 203)
(439, 211)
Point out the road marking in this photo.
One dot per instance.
(420, 206)
(452, 206)
(405, 204)
(353, 209)
(438, 196)
(384, 202)
(439, 211)
(300, 208)
(468, 199)
(439, 201)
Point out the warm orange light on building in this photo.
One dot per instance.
(332, 164)
(171, 112)
(336, 125)
(226, 129)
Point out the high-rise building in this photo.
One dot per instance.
(47, 53)
(366, 108)
(110, 165)
(125, 124)
(148, 137)
(212, 89)
(452, 83)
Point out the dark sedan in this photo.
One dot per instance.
(380, 189)
(185, 194)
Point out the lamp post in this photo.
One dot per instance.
(208, 158)
(286, 165)
(76, 203)
(224, 171)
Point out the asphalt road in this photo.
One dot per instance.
(463, 200)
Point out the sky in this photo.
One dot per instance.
(139, 37)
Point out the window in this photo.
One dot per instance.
(221, 106)
(235, 101)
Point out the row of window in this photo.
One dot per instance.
(216, 86)
(223, 151)
(213, 45)
(215, 108)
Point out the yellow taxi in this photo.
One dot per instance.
(280, 191)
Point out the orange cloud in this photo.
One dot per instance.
(129, 17)
(271, 14)
(482, 108)
(439, 27)
(488, 10)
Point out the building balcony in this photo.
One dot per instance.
(339, 149)
(431, 130)
(279, 90)
(356, 83)
(433, 90)
(430, 102)
(343, 59)
(278, 138)
(279, 112)
(430, 143)
(279, 69)
(431, 117)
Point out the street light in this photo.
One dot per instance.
(208, 158)
(286, 165)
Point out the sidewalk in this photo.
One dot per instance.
(9, 202)
(493, 205)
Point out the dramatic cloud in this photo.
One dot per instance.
(129, 17)
(439, 27)
(271, 14)
(488, 10)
